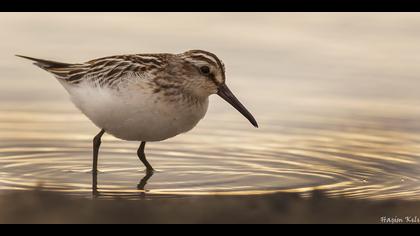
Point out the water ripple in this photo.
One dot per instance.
(356, 160)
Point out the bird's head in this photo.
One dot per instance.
(206, 76)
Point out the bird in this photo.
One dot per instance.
(144, 97)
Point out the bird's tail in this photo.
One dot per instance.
(46, 64)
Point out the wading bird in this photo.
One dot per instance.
(144, 97)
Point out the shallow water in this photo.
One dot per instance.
(336, 97)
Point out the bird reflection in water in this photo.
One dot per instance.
(141, 186)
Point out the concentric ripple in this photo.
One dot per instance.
(358, 158)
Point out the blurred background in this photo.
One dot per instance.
(335, 94)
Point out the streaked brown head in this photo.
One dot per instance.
(207, 76)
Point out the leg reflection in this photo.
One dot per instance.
(144, 180)
(95, 192)
(140, 186)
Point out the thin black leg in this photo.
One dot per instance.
(142, 157)
(96, 145)
(141, 186)
(144, 180)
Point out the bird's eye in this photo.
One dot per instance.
(205, 70)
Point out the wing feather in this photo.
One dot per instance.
(107, 71)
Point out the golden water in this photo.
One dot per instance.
(336, 97)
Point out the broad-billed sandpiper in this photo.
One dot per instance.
(144, 97)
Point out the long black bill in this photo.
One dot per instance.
(228, 96)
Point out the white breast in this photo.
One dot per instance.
(136, 114)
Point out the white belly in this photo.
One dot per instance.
(136, 116)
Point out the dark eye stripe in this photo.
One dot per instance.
(218, 63)
(213, 78)
(211, 75)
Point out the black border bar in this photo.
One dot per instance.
(211, 5)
